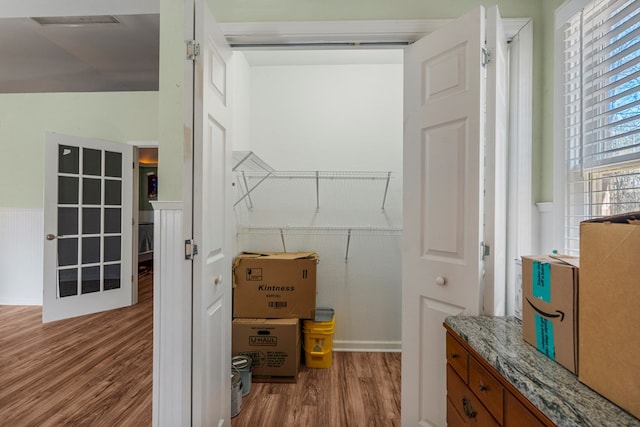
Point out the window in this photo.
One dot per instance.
(601, 101)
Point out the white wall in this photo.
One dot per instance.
(334, 118)
(343, 117)
(241, 102)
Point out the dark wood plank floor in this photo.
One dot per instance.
(360, 389)
(96, 370)
(93, 370)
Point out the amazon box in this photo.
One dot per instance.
(272, 344)
(549, 307)
(280, 285)
(609, 342)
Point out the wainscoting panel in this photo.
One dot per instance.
(171, 319)
(21, 256)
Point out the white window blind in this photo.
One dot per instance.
(602, 113)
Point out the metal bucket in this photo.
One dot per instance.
(236, 393)
(243, 364)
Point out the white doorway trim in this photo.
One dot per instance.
(281, 35)
(136, 216)
(339, 34)
(522, 215)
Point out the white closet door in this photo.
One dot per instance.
(443, 205)
(211, 357)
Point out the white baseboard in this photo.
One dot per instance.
(21, 301)
(368, 346)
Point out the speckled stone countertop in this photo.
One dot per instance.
(555, 391)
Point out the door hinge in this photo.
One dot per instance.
(190, 249)
(485, 250)
(486, 57)
(193, 50)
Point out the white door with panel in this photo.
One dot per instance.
(443, 204)
(211, 359)
(87, 225)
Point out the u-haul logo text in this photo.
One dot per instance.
(257, 340)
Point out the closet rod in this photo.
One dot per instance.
(320, 230)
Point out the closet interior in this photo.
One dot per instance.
(317, 166)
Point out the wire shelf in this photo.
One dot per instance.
(319, 230)
(250, 167)
(364, 175)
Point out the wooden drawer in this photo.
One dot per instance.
(517, 415)
(457, 357)
(454, 419)
(487, 388)
(466, 403)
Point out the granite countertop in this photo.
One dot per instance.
(551, 388)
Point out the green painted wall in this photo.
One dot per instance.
(25, 118)
(171, 108)
(548, 42)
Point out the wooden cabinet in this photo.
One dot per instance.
(477, 395)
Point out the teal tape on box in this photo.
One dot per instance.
(544, 336)
(541, 280)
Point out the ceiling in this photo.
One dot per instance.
(120, 56)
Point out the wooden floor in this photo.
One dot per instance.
(96, 370)
(360, 389)
(93, 370)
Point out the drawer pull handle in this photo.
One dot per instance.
(483, 387)
(454, 355)
(468, 409)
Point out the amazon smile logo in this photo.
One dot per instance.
(555, 315)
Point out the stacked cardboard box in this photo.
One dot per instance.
(271, 292)
(609, 343)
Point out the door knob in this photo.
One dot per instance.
(217, 280)
(52, 236)
(441, 280)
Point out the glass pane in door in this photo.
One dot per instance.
(112, 276)
(90, 280)
(90, 234)
(68, 159)
(91, 191)
(68, 282)
(91, 161)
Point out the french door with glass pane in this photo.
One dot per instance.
(87, 226)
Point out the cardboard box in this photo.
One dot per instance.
(609, 343)
(549, 304)
(272, 344)
(275, 285)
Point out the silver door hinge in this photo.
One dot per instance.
(190, 249)
(193, 50)
(486, 57)
(485, 250)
